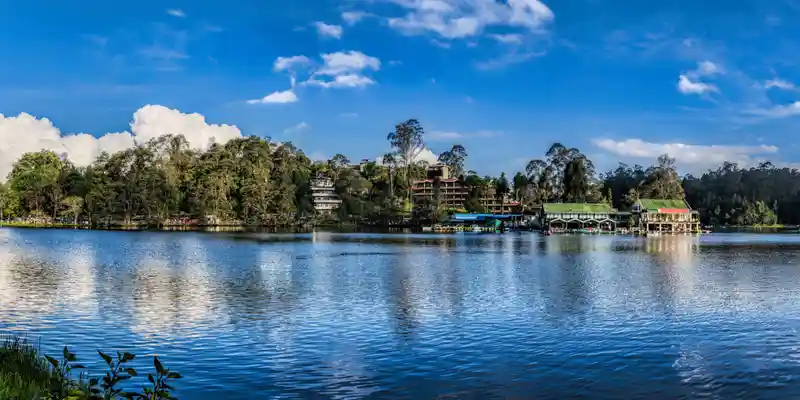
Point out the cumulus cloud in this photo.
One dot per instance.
(465, 18)
(687, 86)
(689, 82)
(345, 62)
(342, 81)
(328, 31)
(344, 69)
(284, 97)
(287, 63)
(26, 133)
(690, 155)
(426, 155)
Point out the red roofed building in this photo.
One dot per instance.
(667, 216)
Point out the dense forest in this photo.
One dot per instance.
(258, 182)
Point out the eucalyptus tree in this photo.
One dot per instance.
(408, 143)
(454, 159)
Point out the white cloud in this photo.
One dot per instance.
(508, 38)
(442, 136)
(465, 18)
(687, 86)
(779, 111)
(689, 82)
(426, 155)
(353, 17)
(331, 31)
(342, 81)
(778, 83)
(287, 63)
(26, 133)
(345, 62)
(176, 12)
(345, 69)
(707, 68)
(284, 97)
(302, 126)
(690, 155)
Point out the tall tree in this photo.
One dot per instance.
(662, 181)
(454, 159)
(35, 178)
(407, 141)
(519, 183)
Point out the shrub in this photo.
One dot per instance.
(24, 374)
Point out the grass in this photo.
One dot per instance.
(25, 373)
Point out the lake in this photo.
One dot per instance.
(481, 316)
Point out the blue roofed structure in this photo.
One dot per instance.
(463, 217)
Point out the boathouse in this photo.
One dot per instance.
(566, 216)
(666, 216)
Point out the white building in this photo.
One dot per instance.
(324, 194)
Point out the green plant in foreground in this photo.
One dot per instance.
(24, 374)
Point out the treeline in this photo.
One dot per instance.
(254, 181)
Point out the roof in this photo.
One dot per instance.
(654, 205)
(481, 217)
(587, 208)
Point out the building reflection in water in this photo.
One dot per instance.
(339, 315)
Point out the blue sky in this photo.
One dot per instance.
(621, 80)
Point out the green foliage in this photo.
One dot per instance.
(454, 159)
(730, 195)
(35, 179)
(24, 374)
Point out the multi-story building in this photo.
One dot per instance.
(453, 193)
(504, 205)
(324, 194)
(673, 216)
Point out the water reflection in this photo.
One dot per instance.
(414, 316)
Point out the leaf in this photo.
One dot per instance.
(77, 366)
(106, 357)
(131, 371)
(66, 352)
(150, 378)
(166, 386)
(93, 381)
(124, 377)
(128, 357)
(94, 390)
(174, 375)
(52, 361)
(157, 364)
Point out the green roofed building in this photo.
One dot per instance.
(563, 216)
(667, 216)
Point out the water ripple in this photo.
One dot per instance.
(350, 316)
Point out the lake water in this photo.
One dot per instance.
(476, 316)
